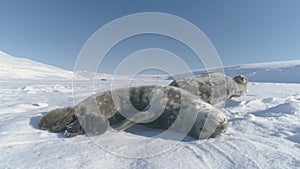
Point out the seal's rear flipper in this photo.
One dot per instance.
(89, 123)
(57, 119)
(74, 128)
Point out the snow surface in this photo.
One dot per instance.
(264, 128)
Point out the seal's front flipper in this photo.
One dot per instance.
(141, 117)
(125, 126)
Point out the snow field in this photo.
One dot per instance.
(264, 125)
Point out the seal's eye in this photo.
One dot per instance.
(244, 80)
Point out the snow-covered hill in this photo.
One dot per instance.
(21, 68)
(264, 125)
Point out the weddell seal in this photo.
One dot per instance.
(163, 107)
(213, 87)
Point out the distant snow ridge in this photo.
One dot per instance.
(273, 72)
(278, 72)
(21, 68)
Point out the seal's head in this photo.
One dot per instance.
(57, 119)
(241, 79)
(240, 86)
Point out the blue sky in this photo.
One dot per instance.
(54, 31)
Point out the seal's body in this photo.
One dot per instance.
(155, 106)
(214, 87)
